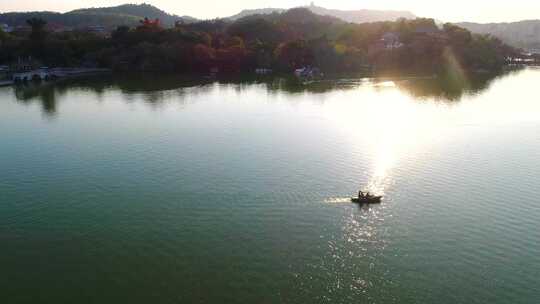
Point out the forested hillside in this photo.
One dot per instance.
(523, 34)
(355, 16)
(283, 42)
(109, 17)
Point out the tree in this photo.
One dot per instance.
(38, 28)
(120, 32)
(3, 37)
(252, 29)
(234, 42)
(277, 41)
(203, 57)
(294, 54)
(458, 36)
(150, 25)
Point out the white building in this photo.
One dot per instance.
(391, 41)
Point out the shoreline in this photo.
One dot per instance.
(52, 74)
(5, 83)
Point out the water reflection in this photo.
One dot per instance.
(155, 89)
(449, 88)
(45, 94)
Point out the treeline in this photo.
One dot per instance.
(283, 42)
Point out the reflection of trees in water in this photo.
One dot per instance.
(449, 88)
(442, 87)
(292, 85)
(152, 85)
(45, 94)
(48, 93)
(155, 89)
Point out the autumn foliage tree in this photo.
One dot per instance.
(150, 25)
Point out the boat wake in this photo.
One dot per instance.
(338, 200)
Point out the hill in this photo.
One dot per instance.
(253, 12)
(109, 17)
(523, 34)
(354, 16)
(139, 11)
(362, 16)
(296, 23)
(130, 14)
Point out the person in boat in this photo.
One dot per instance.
(361, 194)
(365, 195)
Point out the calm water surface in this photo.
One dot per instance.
(165, 190)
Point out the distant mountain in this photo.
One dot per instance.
(523, 34)
(252, 12)
(354, 16)
(130, 14)
(362, 16)
(74, 20)
(109, 17)
(140, 11)
(296, 23)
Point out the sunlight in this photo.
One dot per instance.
(387, 132)
(393, 127)
(384, 161)
(455, 72)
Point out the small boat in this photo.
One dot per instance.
(366, 198)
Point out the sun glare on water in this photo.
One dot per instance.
(395, 125)
(392, 124)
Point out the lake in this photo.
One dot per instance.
(164, 189)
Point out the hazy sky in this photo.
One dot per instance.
(455, 10)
